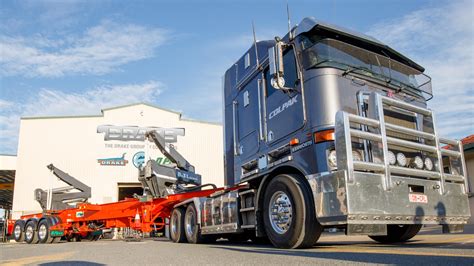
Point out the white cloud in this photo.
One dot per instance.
(442, 40)
(99, 50)
(49, 102)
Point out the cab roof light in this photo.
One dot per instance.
(324, 135)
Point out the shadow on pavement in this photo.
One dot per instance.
(365, 257)
(72, 263)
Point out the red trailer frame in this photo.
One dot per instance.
(87, 220)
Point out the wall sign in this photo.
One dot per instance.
(115, 161)
(134, 133)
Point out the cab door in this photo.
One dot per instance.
(284, 109)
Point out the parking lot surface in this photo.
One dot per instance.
(430, 247)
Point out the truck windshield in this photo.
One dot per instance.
(334, 53)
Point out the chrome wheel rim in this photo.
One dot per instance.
(29, 232)
(281, 212)
(190, 221)
(42, 231)
(17, 231)
(174, 226)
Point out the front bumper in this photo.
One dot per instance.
(364, 201)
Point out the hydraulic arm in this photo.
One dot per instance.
(61, 198)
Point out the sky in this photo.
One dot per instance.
(61, 57)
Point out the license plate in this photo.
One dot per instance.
(418, 198)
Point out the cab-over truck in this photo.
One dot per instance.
(323, 128)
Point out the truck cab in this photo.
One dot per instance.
(344, 117)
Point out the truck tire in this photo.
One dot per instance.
(177, 226)
(19, 231)
(31, 236)
(289, 213)
(44, 235)
(191, 226)
(397, 233)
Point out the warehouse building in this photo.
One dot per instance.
(105, 151)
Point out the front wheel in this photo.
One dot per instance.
(397, 233)
(289, 213)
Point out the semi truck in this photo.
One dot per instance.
(323, 128)
(327, 127)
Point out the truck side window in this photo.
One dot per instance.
(291, 76)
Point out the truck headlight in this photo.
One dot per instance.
(417, 162)
(392, 159)
(356, 155)
(401, 159)
(332, 159)
(428, 164)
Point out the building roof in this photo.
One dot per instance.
(120, 107)
(467, 143)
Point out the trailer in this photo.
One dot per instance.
(67, 215)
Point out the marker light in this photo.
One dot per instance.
(392, 159)
(428, 164)
(401, 159)
(417, 162)
(325, 135)
(332, 159)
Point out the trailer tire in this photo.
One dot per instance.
(397, 233)
(295, 225)
(177, 226)
(19, 231)
(31, 236)
(191, 226)
(43, 231)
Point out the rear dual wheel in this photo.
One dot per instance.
(177, 226)
(31, 236)
(18, 231)
(44, 232)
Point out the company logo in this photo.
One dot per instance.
(283, 107)
(117, 161)
(134, 133)
(138, 159)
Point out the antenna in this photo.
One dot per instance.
(255, 45)
(289, 23)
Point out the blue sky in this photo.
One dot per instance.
(78, 57)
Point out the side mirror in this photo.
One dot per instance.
(275, 56)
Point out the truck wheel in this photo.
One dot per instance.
(44, 232)
(18, 231)
(177, 226)
(31, 237)
(191, 226)
(289, 213)
(398, 233)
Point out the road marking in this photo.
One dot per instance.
(37, 259)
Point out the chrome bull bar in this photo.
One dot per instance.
(428, 142)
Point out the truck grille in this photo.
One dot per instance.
(392, 126)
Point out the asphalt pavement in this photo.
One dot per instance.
(429, 247)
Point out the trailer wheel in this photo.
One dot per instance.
(177, 226)
(398, 233)
(31, 237)
(191, 227)
(18, 231)
(289, 213)
(44, 232)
